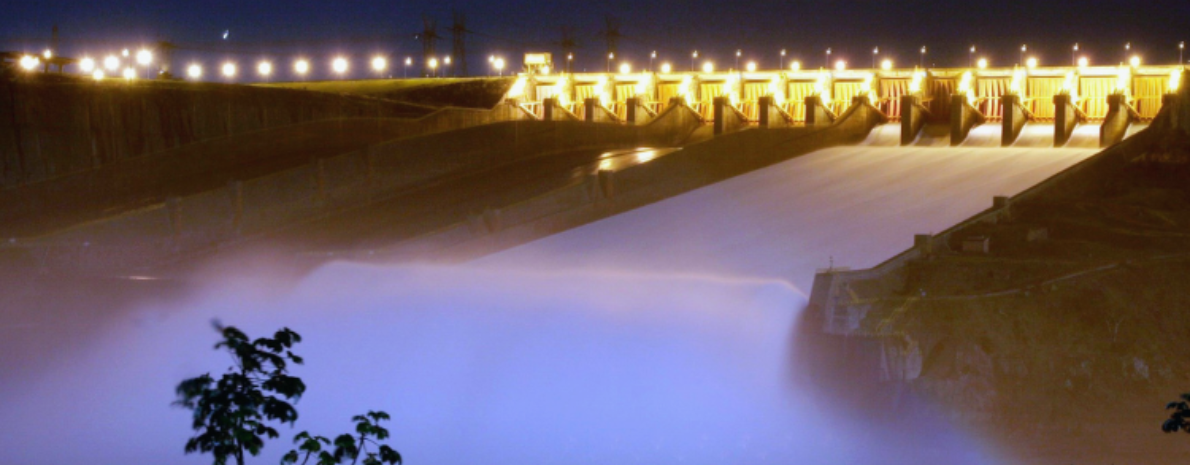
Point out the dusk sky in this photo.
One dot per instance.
(280, 29)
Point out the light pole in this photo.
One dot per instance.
(499, 64)
(445, 62)
(652, 56)
(569, 63)
(922, 61)
(875, 52)
(738, 52)
(1181, 48)
(1073, 53)
(610, 57)
(1021, 61)
(1127, 48)
(693, 56)
(782, 67)
(827, 63)
(408, 63)
(971, 56)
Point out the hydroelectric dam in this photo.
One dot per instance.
(599, 267)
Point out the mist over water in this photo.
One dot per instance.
(663, 335)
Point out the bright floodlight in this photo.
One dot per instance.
(194, 71)
(708, 67)
(229, 70)
(1134, 61)
(48, 54)
(125, 52)
(796, 65)
(87, 65)
(339, 65)
(29, 62)
(625, 68)
(301, 67)
(111, 63)
(379, 64)
(264, 68)
(545, 70)
(129, 73)
(666, 68)
(886, 64)
(499, 64)
(144, 57)
(751, 67)
(433, 64)
(840, 65)
(97, 75)
(1083, 62)
(408, 61)
(446, 60)
(1031, 62)
(982, 63)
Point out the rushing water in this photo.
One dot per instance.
(664, 335)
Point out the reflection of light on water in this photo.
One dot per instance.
(645, 156)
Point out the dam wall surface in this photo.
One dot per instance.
(180, 227)
(53, 126)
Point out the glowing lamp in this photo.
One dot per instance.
(87, 65)
(47, 54)
(301, 67)
(144, 57)
(129, 74)
(840, 65)
(97, 75)
(229, 70)
(194, 71)
(982, 63)
(1031, 63)
(1083, 62)
(751, 66)
(886, 64)
(1134, 61)
(796, 65)
(29, 62)
(379, 64)
(264, 68)
(111, 63)
(708, 67)
(666, 68)
(625, 68)
(339, 65)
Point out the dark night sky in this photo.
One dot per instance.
(280, 29)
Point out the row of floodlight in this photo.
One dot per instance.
(339, 65)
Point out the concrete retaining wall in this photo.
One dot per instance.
(52, 126)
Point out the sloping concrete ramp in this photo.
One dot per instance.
(853, 206)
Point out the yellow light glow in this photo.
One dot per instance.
(751, 67)
(1134, 61)
(1031, 63)
(379, 64)
(625, 68)
(87, 65)
(865, 88)
(29, 62)
(982, 63)
(916, 82)
(601, 91)
(708, 67)
(886, 64)
(264, 68)
(545, 70)
(731, 89)
(499, 64)
(966, 86)
(408, 61)
(840, 65)
(1083, 62)
(1070, 86)
(822, 87)
(518, 88)
(97, 75)
(1175, 80)
(777, 90)
(1018, 82)
(644, 87)
(194, 71)
(47, 54)
(686, 88)
(301, 67)
(339, 65)
(111, 63)
(795, 66)
(562, 91)
(129, 74)
(229, 70)
(666, 68)
(446, 60)
(646, 156)
(144, 57)
(1124, 80)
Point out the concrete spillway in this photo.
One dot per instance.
(854, 206)
(1033, 135)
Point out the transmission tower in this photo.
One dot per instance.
(458, 32)
(428, 36)
(611, 33)
(568, 45)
